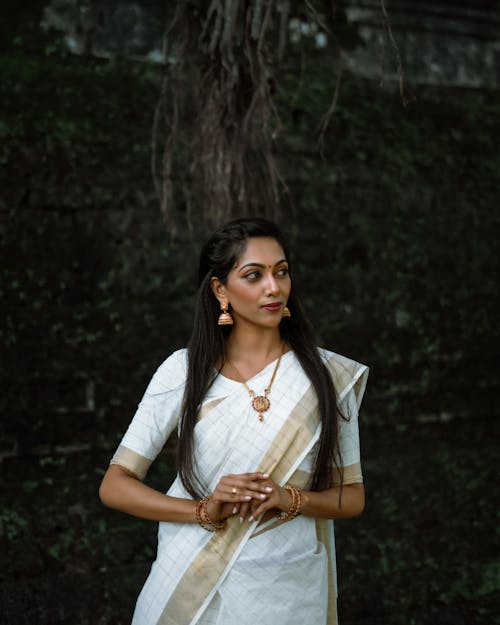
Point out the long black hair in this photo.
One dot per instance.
(207, 349)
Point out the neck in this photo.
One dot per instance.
(254, 344)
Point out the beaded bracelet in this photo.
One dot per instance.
(295, 506)
(203, 518)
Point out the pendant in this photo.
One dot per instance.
(261, 404)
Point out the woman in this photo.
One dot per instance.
(268, 450)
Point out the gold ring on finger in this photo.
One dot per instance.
(233, 490)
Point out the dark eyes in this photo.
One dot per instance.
(253, 276)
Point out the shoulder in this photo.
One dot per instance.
(175, 360)
(171, 374)
(340, 363)
(345, 372)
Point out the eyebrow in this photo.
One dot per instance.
(283, 260)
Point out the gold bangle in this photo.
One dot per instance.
(199, 505)
(295, 505)
(217, 524)
(203, 518)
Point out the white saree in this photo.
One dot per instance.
(247, 573)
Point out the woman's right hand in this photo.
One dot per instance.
(234, 493)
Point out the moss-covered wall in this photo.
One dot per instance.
(394, 227)
(393, 224)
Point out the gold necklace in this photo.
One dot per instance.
(261, 403)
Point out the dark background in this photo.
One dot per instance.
(394, 227)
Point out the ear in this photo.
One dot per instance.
(219, 290)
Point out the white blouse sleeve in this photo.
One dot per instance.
(156, 417)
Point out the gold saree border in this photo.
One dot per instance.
(323, 531)
(208, 567)
(352, 474)
(132, 461)
(208, 407)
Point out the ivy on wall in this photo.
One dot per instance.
(392, 228)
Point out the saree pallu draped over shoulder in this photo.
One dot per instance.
(249, 572)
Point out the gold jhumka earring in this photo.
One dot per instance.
(225, 318)
(286, 312)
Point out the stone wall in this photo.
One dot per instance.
(439, 43)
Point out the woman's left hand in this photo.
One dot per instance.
(278, 499)
(332, 503)
(234, 492)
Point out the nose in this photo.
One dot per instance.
(272, 287)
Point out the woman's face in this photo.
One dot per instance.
(259, 284)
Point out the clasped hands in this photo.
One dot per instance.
(246, 494)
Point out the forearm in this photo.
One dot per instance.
(326, 504)
(121, 491)
(334, 504)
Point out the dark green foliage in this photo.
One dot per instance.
(394, 233)
(87, 271)
(396, 237)
(421, 553)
